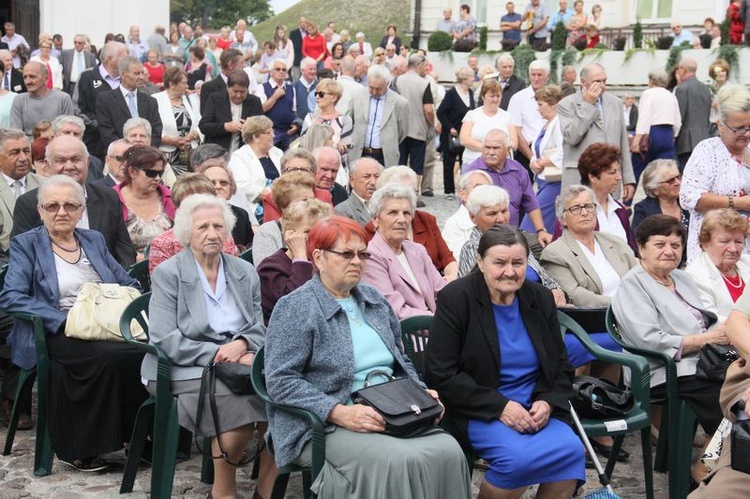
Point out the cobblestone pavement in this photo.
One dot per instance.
(18, 481)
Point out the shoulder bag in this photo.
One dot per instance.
(599, 399)
(95, 316)
(714, 360)
(406, 407)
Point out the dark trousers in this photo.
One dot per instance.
(703, 398)
(449, 161)
(682, 160)
(413, 149)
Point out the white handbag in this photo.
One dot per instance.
(95, 315)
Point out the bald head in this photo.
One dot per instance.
(67, 155)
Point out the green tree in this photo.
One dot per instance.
(213, 14)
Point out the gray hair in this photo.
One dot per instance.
(658, 77)
(652, 175)
(379, 73)
(388, 192)
(732, 98)
(504, 57)
(111, 49)
(539, 64)
(7, 134)
(116, 143)
(569, 193)
(183, 219)
(587, 68)
(496, 131)
(134, 123)
(124, 65)
(204, 152)
(486, 195)
(363, 161)
(316, 136)
(60, 181)
(463, 181)
(395, 174)
(42, 68)
(60, 138)
(306, 62)
(67, 119)
(347, 64)
(319, 151)
(415, 60)
(298, 152)
(464, 73)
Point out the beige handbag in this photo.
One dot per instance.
(95, 316)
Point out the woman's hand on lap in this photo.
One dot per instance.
(434, 394)
(231, 352)
(541, 411)
(518, 418)
(357, 417)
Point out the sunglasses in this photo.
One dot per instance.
(153, 173)
(320, 94)
(349, 254)
(55, 207)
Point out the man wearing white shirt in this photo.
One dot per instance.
(75, 61)
(13, 40)
(525, 112)
(458, 227)
(348, 83)
(15, 166)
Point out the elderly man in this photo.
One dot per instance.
(415, 88)
(446, 24)
(137, 47)
(361, 66)
(13, 80)
(305, 86)
(379, 117)
(230, 60)
(114, 161)
(458, 227)
(91, 83)
(73, 125)
(67, 155)
(15, 166)
(694, 99)
(363, 175)
(525, 112)
(328, 162)
(74, 62)
(117, 106)
(590, 116)
(39, 103)
(512, 84)
(681, 35)
(348, 83)
(510, 25)
(280, 105)
(568, 80)
(13, 40)
(510, 175)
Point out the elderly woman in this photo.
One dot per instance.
(54, 68)
(659, 308)
(166, 245)
(290, 187)
(661, 183)
(658, 118)
(317, 135)
(423, 228)
(255, 165)
(400, 269)
(721, 268)
(290, 267)
(179, 118)
(154, 68)
(205, 307)
(715, 176)
(197, 67)
(458, 101)
(94, 387)
(599, 166)
(317, 359)
(327, 94)
(547, 158)
(146, 204)
(488, 116)
(497, 359)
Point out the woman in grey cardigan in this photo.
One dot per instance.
(315, 359)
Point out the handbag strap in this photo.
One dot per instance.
(377, 372)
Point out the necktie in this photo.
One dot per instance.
(131, 105)
(79, 64)
(17, 189)
(374, 120)
(6, 80)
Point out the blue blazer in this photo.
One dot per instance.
(31, 285)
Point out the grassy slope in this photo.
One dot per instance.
(368, 16)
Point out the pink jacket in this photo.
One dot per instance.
(384, 272)
(166, 201)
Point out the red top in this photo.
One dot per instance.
(735, 285)
(314, 46)
(223, 43)
(155, 74)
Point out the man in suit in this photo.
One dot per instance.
(379, 117)
(91, 83)
(512, 84)
(15, 166)
(13, 80)
(73, 125)
(363, 175)
(67, 155)
(74, 62)
(590, 116)
(222, 120)
(117, 106)
(694, 99)
(296, 36)
(114, 161)
(327, 165)
(230, 60)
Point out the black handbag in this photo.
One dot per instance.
(599, 399)
(235, 375)
(454, 144)
(714, 360)
(406, 407)
(740, 437)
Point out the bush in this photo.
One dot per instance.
(619, 43)
(439, 41)
(483, 38)
(664, 42)
(638, 35)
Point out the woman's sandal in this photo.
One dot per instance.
(88, 465)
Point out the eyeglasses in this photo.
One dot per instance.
(349, 254)
(577, 209)
(119, 158)
(738, 131)
(153, 173)
(320, 94)
(280, 70)
(298, 169)
(55, 207)
(671, 181)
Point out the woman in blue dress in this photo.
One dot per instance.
(498, 361)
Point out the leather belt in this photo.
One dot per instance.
(369, 151)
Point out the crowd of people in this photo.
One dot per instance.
(313, 152)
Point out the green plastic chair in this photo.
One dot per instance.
(318, 434)
(43, 454)
(247, 255)
(139, 272)
(638, 418)
(158, 412)
(674, 448)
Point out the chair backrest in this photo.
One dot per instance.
(139, 272)
(247, 255)
(257, 376)
(3, 272)
(137, 310)
(415, 332)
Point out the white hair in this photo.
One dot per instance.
(486, 195)
(183, 219)
(60, 181)
(388, 192)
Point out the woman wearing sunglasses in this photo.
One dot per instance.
(327, 95)
(146, 203)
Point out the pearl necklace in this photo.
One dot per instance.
(729, 282)
(667, 284)
(77, 246)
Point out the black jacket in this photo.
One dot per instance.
(213, 86)
(219, 111)
(90, 85)
(515, 84)
(112, 112)
(463, 354)
(451, 113)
